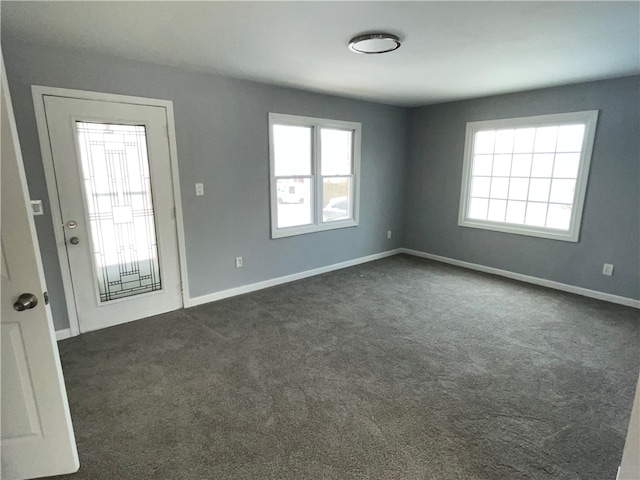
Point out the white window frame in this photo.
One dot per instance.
(317, 225)
(587, 118)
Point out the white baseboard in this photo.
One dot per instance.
(608, 297)
(232, 292)
(62, 334)
(212, 297)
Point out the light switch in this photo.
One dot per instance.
(199, 189)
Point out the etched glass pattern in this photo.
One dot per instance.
(117, 186)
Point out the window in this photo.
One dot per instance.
(527, 175)
(315, 167)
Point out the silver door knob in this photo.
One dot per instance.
(25, 302)
(74, 240)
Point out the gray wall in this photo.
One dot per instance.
(411, 171)
(610, 229)
(222, 140)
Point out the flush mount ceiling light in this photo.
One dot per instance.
(371, 43)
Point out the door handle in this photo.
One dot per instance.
(74, 240)
(25, 302)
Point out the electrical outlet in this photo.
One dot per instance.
(388, 233)
(199, 189)
(607, 269)
(36, 205)
(238, 262)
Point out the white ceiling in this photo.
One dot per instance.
(450, 51)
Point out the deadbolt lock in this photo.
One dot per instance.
(72, 224)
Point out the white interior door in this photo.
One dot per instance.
(113, 177)
(630, 464)
(36, 435)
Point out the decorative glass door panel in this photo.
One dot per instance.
(117, 191)
(110, 168)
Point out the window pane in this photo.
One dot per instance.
(497, 209)
(570, 138)
(546, 139)
(336, 194)
(515, 212)
(518, 188)
(501, 165)
(521, 166)
(484, 142)
(504, 141)
(292, 150)
(294, 202)
(542, 165)
(559, 216)
(530, 168)
(523, 142)
(478, 208)
(566, 165)
(115, 171)
(499, 187)
(539, 189)
(562, 191)
(335, 151)
(536, 214)
(482, 165)
(480, 186)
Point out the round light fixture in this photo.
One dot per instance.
(372, 43)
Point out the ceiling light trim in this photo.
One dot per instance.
(374, 43)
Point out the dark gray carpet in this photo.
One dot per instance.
(396, 369)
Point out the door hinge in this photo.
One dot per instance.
(46, 298)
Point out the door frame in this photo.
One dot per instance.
(38, 93)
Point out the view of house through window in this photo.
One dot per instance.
(314, 174)
(292, 153)
(527, 175)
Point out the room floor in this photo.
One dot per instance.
(396, 369)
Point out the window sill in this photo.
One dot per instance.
(304, 229)
(566, 236)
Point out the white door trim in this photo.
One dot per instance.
(38, 92)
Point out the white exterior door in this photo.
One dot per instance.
(113, 178)
(37, 435)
